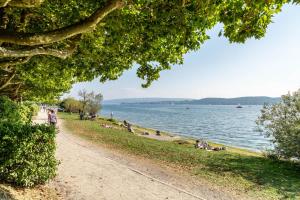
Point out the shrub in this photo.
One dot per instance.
(281, 122)
(34, 108)
(71, 105)
(27, 153)
(271, 155)
(14, 112)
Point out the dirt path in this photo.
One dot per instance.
(89, 172)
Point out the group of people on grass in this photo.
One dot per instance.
(83, 115)
(201, 144)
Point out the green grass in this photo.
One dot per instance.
(239, 170)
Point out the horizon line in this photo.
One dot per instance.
(187, 98)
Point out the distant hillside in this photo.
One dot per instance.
(143, 100)
(259, 100)
(234, 101)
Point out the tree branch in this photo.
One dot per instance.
(24, 19)
(6, 53)
(21, 3)
(12, 90)
(4, 19)
(5, 64)
(62, 33)
(4, 3)
(7, 82)
(17, 89)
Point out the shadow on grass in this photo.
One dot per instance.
(283, 176)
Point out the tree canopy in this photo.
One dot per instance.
(47, 45)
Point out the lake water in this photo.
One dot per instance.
(223, 124)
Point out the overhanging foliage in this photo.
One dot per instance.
(46, 45)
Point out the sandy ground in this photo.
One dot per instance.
(90, 172)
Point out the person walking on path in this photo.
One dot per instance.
(52, 118)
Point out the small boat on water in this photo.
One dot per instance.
(239, 106)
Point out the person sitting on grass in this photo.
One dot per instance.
(201, 144)
(129, 128)
(158, 133)
(92, 116)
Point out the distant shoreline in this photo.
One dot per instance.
(255, 100)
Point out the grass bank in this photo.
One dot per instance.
(243, 171)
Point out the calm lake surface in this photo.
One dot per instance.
(223, 124)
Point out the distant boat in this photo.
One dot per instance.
(239, 106)
(187, 108)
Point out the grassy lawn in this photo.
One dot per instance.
(244, 172)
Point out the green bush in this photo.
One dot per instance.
(71, 105)
(27, 153)
(34, 108)
(14, 112)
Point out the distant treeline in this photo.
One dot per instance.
(220, 101)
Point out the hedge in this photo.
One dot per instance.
(34, 108)
(14, 112)
(27, 153)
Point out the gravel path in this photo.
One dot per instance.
(88, 172)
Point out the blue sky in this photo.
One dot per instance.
(267, 67)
